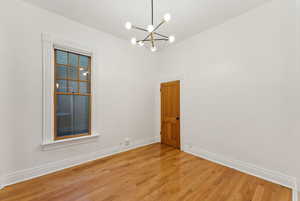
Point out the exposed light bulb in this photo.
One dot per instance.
(153, 49)
(133, 41)
(57, 85)
(128, 25)
(141, 43)
(150, 28)
(85, 73)
(81, 69)
(171, 39)
(167, 17)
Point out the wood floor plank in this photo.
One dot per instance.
(151, 173)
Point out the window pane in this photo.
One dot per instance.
(64, 115)
(73, 87)
(61, 57)
(61, 72)
(84, 87)
(72, 115)
(73, 73)
(73, 59)
(84, 75)
(61, 85)
(81, 114)
(83, 61)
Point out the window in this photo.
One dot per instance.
(68, 99)
(72, 95)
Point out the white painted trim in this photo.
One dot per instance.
(295, 195)
(170, 79)
(68, 45)
(47, 45)
(31, 173)
(295, 192)
(68, 142)
(49, 42)
(269, 175)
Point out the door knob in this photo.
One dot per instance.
(177, 118)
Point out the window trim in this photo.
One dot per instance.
(49, 44)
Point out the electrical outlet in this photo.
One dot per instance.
(127, 142)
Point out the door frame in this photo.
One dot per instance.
(171, 79)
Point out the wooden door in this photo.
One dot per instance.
(170, 113)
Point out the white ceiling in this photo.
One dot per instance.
(189, 17)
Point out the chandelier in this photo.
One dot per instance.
(153, 36)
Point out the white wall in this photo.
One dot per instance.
(4, 103)
(6, 97)
(125, 80)
(293, 91)
(240, 95)
(239, 99)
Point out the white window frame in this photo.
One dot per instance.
(49, 43)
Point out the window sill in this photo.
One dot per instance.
(68, 142)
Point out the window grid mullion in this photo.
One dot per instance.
(68, 73)
(78, 74)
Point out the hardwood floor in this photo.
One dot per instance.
(151, 173)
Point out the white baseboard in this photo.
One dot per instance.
(31, 173)
(268, 175)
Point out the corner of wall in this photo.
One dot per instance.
(266, 174)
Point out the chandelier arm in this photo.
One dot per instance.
(160, 35)
(145, 30)
(142, 29)
(143, 40)
(162, 22)
(152, 40)
(156, 39)
(159, 39)
(139, 28)
(149, 35)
